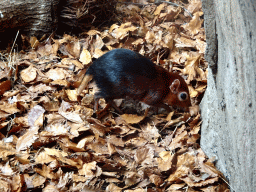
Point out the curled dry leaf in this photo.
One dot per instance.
(194, 110)
(85, 57)
(132, 119)
(5, 86)
(71, 116)
(85, 141)
(68, 61)
(165, 162)
(194, 26)
(40, 88)
(113, 187)
(56, 74)
(90, 170)
(35, 116)
(6, 150)
(17, 182)
(195, 6)
(151, 133)
(98, 43)
(60, 82)
(72, 94)
(34, 181)
(34, 43)
(192, 65)
(74, 48)
(174, 187)
(123, 31)
(44, 158)
(6, 170)
(26, 140)
(9, 108)
(57, 129)
(97, 53)
(28, 74)
(46, 172)
(159, 8)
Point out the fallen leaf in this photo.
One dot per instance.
(5, 86)
(132, 119)
(28, 74)
(27, 139)
(85, 57)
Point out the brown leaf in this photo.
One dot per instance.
(194, 6)
(34, 43)
(73, 48)
(98, 43)
(35, 116)
(57, 74)
(112, 187)
(123, 31)
(45, 172)
(57, 128)
(17, 182)
(132, 119)
(5, 86)
(9, 108)
(5, 186)
(90, 170)
(156, 179)
(192, 65)
(72, 94)
(69, 62)
(159, 8)
(194, 26)
(44, 157)
(174, 187)
(34, 180)
(28, 74)
(23, 158)
(60, 82)
(165, 162)
(41, 88)
(151, 133)
(27, 139)
(117, 141)
(141, 154)
(6, 170)
(72, 116)
(85, 57)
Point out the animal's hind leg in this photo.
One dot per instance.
(96, 104)
(113, 104)
(109, 104)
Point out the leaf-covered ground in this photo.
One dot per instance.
(52, 141)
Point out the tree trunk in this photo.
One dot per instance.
(229, 105)
(36, 18)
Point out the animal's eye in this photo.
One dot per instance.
(183, 96)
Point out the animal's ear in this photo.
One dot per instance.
(174, 87)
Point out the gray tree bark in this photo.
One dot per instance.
(229, 104)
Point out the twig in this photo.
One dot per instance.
(226, 182)
(13, 45)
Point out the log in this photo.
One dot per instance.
(36, 17)
(228, 108)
